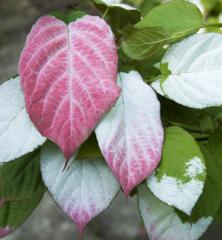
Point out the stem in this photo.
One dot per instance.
(105, 13)
(199, 131)
(184, 33)
(202, 139)
(206, 25)
(185, 126)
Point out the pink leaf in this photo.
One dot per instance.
(68, 75)
(5, 231)
(131, 135)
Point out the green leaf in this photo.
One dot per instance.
(200, 123)
(69, 16)
(128, 30)
(89, 149)
(145, 42)
(210, 200)
(117, 16)
(218, 217)
(179, 18)
(176, 114)
(147, 68)
(210, 5)
(148, 5)
(180, 178)
(21, 189)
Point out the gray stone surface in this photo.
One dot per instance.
(121, 221)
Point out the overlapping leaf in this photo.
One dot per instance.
(180, 178)
(145, 42)
(114, 3)
(21, 189)
(18, 135)
(210, 200)
(69, 16)
(178, 17)
(163, 223)
(68, 75)
(195, 66)
(130, 136)
(84, 189)
(118, 14)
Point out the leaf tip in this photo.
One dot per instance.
(81, 222)
(4, 231)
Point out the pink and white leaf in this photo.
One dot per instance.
(5, 231)
(131, 135)
(68, 75)
(83, 190)
(163, 223)
(18, 135)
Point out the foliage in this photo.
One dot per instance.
(130, 99)
(21, 190)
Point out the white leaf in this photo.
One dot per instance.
(162, 222)
(117, 3)
(110, 2)
(131, 135)
(157, 87)
(18, 135)
(196, 69)
(82, 190)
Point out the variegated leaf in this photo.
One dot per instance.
(83, 190)
(131, 135)
(180, 177)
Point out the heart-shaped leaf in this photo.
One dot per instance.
(18, 135)
(195, 66)
(163, 223)
(21, 189)
(179, 180)
(83, 190)
(130, 136)
(68, 74)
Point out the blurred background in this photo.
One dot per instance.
(121, 221)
